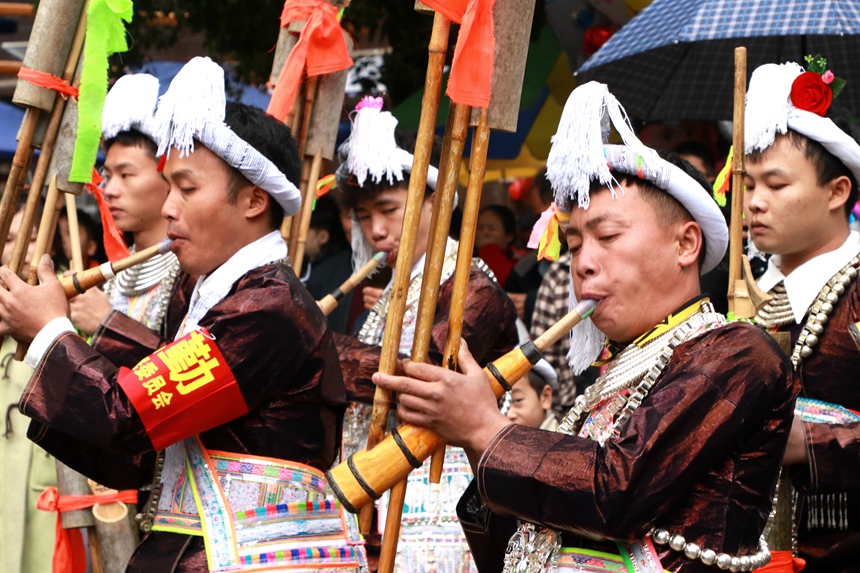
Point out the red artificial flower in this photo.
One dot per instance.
(810, 93)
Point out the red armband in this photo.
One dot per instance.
(183, 389)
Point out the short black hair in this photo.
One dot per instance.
(827, 166)
(700, 150)
(537, 381)
(326, 215)
(133, 138)
(273, 139)
(355, 194)
(509, 220)
(543, 186)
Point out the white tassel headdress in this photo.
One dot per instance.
(770, 111)
(194, 107)
(580, 155)
(130, 104)
(371, 154)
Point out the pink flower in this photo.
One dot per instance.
(827, 77)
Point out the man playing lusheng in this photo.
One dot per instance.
(228, 401)
(801, 183)
(670, 459)
(134, 193)
(376, 190)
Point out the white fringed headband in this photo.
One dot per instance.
(194, 108)
(785, 96)
(130, 104)
(580, 155)
(370, 153)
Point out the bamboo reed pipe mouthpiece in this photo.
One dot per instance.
(367, 474)
(330, 301)
(79, 283)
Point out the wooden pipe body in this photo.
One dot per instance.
(330, 301)
(367, 474)
(372, 471)
(78, 283)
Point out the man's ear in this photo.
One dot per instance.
(257, 201)
(689, 237)
(839, 189)
(323, 236)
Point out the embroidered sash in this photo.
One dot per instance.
(254, 512)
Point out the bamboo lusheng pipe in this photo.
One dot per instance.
(78, 283)
(440, 225)
(329, 302)
(50, 42)
(41, 171)
(415, 200)
(77, 262)
(117, 537)
(471, 209)
(307, 211)
(412, 213)
(367, 474)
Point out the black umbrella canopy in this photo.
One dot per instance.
(675, 60)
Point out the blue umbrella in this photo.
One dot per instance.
(674, 60)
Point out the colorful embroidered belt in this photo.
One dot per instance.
(632, 558)
(255, 513)
(820, 412)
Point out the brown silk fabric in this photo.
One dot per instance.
(832, 374)
(280, 350)
(700, 458)
(489, 328)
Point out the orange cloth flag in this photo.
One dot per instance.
(69, 553)
(114, 242)
(472, 68)
(321, 49)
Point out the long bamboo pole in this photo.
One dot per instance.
(471, 208)
(739, 301)
(77, 262)
(304, 130)
(307, 212)
(418, 179)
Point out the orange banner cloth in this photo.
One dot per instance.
(69, 553)
(472, 68)
(321, 49)
(783, 562)
(115, 246)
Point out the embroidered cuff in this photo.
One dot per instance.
(42, 342)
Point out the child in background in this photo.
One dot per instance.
(90, 239)
(531, 398)
(494, 240)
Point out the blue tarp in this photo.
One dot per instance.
(10, 120)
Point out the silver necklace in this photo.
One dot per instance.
(531, 548)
